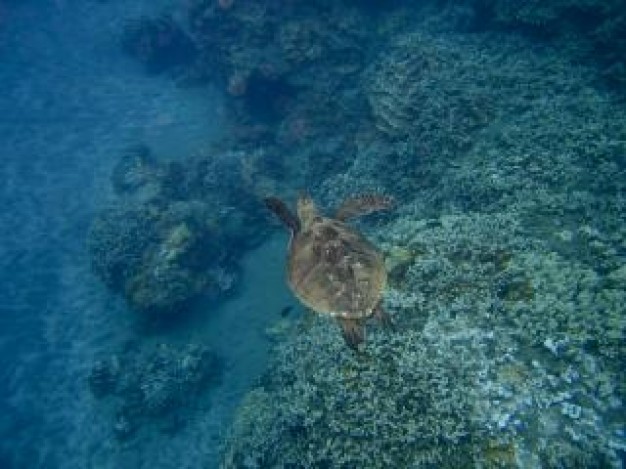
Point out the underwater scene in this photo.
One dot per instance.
(323, 234)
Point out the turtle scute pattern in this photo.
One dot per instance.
(331, 267)
(335, 271)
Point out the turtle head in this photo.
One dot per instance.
(307, 211)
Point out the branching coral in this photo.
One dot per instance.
(153, 385)
(593, 29)
(404, 403)
(422, 90)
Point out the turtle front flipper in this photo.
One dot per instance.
(283, 213)
(353, 331)
(362, 205)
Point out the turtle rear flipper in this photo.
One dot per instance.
(353, 331)
(383, 317)
(283, 213)
(362, 205)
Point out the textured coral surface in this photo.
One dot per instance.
(499, 129)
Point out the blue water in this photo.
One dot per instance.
(502, 139)
(71, 102)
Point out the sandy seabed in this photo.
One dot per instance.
(71, 102)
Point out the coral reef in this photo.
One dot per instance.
(406, 401)
(117, 241)
(158, 259)
(505, 259)
(589, 29)
(284, 69)
(153, 385)
(423, 90)
(169, 239)
(500, 342)
(277, 39)
(552, 323)
(514, 118)
(505, 256)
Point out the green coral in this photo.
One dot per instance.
(423, 90)
(494, 335)
(591, 29)
(408, 401)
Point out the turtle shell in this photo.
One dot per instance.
(334, 270)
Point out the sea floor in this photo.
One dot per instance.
(239, 330)
(509, 256)
(70, 103)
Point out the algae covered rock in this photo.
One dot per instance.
(166, 241)
(159, 259)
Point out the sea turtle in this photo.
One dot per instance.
(331, 267)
